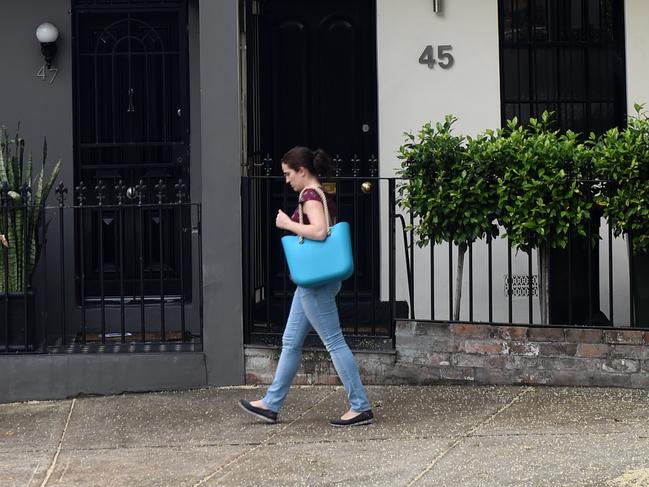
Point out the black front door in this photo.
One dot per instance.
(312, 81)
(131, 134)
(318, 77)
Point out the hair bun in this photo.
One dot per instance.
(322, 162)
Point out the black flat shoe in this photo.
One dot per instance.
(366, 417)
(265, 415)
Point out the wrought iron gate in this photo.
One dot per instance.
(131, 141)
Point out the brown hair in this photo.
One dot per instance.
(316, 162)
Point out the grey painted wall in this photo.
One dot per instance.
(220, 155)
(34, 377)
(43, 109)
(46, 109)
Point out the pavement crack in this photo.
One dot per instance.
(256, 447)
(33, 474)
(67, 465)
(58, 448)
(466, 435)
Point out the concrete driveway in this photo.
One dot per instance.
(437, 435)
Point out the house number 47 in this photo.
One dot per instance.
(444, 58)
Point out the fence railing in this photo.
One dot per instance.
(597, 280)
(120, 273)
(594, 284)
(367, 317)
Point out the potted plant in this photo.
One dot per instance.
(621, 157)
(449, 189)
(541, 201)
(21, 210)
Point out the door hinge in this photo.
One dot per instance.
(256, 8)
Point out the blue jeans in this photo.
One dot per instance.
(315, 307)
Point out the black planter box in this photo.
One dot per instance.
(17, 322)
(564, 287)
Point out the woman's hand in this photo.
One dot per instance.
(283, 220)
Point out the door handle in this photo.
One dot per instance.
(130, 108)
(366, 187)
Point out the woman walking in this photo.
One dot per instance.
(311, 307)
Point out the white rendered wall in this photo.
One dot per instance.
(411, 94)
(637, 52)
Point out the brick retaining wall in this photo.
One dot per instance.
(434, 352)
(316, 366)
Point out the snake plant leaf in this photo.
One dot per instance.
(9, 165)
(20, 218)
(53, 177)
(3, 171)
(28, 174)
(39, 187)
(38, 195)
(21, 158)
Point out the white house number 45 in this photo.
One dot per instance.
(444, 58)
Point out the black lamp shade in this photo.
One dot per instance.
(48, 49)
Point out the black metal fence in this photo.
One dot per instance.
(366, 316)
(598, 280)
(594, 284)
(120, 273)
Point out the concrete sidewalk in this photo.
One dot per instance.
(438, 435)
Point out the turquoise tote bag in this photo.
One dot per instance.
(315, 263)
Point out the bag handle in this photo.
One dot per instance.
(324, 204)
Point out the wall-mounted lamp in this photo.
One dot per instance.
(437, 6)
(47, 34)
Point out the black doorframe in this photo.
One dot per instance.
(263, 156)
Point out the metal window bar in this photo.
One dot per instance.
(391, 252)
(119, 189)
(411, 278)
(529, 284)
(490, 277)
(43, 328)
(285, 284)
(61, 192)
(609, 189)
(432, 279)
(450, 280)
(373, 172)
(471, 281)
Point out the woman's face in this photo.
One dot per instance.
(295, 178)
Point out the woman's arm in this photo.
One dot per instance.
(317, 227)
